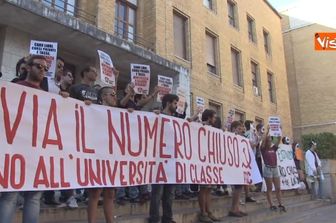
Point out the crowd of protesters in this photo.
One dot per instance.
(30, 72)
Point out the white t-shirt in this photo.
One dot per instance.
(53, 87)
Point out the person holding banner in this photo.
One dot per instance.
(106, 96)
(204, 196)
(163, 192)
(271, 172)
(85, 90)
(36, 70)
(314, 171)
(237, 127)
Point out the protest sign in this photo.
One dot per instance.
(289, 177)
(140, 77)
(47, 49)
(165, 85)
(106, 69)
(181, 93)
(50, 142)
(229, 119)
(275, 126)
(200, 103)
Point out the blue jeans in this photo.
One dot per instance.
(31, 207)
(164, 193)
(181, 189)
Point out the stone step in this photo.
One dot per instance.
(259, 216)
(129, 213)
(48, 214)
(325, 214)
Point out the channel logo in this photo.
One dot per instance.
(325, 41)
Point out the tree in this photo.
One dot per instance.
(326, 144)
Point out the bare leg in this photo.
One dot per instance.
(202, 200)
(108, 204)
(93, 204)
(276, 181)
(235, 199)
(269, 190)
(208, 200)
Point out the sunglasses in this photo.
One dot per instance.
(40, 67)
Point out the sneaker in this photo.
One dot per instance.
(282, 208)
(250, 199)
(204, 218)
(72, 202)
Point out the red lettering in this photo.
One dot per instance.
(85, 149)
(63, 182)
(202, 159)
(178, 143)
(79, 169)
(229, 143)
(111, 173)
(140, 169)
(150, 133)
(53, 183)
(208, 174)
(187, 155)
(52, 115)
(41, 177)
(151, 164)
(112, 131)
(77, 129)
(179, 172)
(236, 152)
(4, 177)
(35, 120)
(95, 175)
(162, 137)
(122, 175)
(11, 132)
(161, 174)
(22, 171)
(132, 173)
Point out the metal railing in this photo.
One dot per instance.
(123, 33)
(77, 12)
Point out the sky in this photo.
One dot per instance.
(313, 11)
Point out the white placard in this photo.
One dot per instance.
(165, 85)
(106, 69)
(274, 123)
(140, 76)
(181, 93)
(47, 49)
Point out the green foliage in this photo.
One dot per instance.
(326, 144)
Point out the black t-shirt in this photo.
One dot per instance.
(84, 92)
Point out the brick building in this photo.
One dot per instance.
(228, 52)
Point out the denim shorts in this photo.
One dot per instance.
(270, 172)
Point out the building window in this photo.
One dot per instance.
(209, 4)
(258, 121)
(217, 107)
(236, 67)
(211, 52)
(232, 14)
(124, 24)
(255, 78)
(267, 42)
(67, 6)
(271, 89)
(251, 29)
(180, 35)
(239, 115)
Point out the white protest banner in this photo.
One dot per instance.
(165, 85)
(47, 49)
(289, 177)
(106, 69)
(49, 142)
(181, 93)
(229, 119)
(140, 77)
(275, 126)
